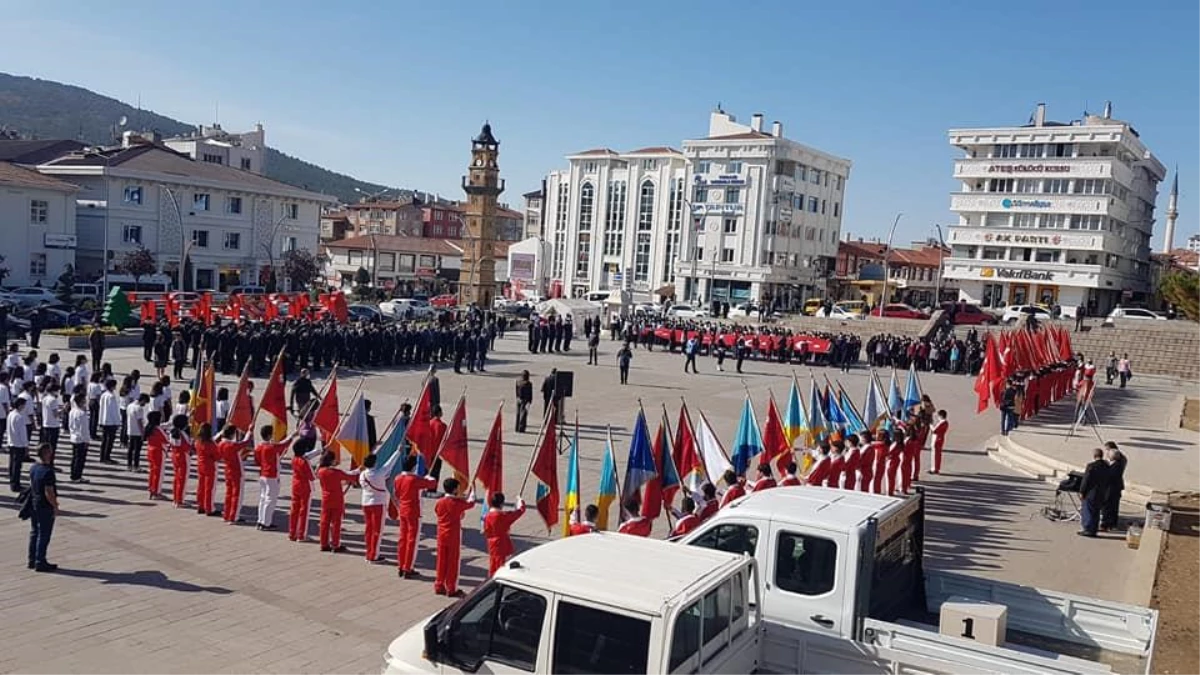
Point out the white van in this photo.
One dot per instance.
(597, 603)
(599, 297)
(82, 292)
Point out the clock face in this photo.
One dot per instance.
(478, 161)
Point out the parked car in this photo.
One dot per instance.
(841, 313)
(647, 309)
(966, 314)
(852, 307)
(407, 308)
(81, 293)
(743, 310)
(1133, 313)
(1012, 313)
(811, 306)
(247, 290)
(898, 310)
(30, 296)
(366, 313)
(445, 300)
(687, 312)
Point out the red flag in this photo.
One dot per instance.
(420, 433)
(203, 309)
(453, 450)
(490, 471)
(204, 398)
(327, 417)
(171, 309)
(148, 311)
(337, 306)
(274, 400)
(241, 413)
(687, 459)
(270, 310)
(299, 306)
(652, 503)
(233, 308)
(545, 469)
(775, 445)
(989, 370)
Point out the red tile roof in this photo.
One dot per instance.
(597, 152)
(656, 150)
(862, 249)
(392, 243)
(16, 176)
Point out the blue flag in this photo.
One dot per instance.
(854, 421)
(748, 443)
(895, 400)
(833, 409)
(912, 389)
(640, 467)
(391, 445)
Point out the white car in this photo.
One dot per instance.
(1133, 313)
(30, 296)
(839, 313)
(405, 308)
(686, 312)
(1014, 312)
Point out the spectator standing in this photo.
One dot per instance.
(1124, 372)
(1092, 491)
(43, 495)
(1110, 514)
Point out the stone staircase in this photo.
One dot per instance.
(1023, 460)
(1155, 347)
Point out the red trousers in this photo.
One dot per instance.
(449, 550)
(939, 443)
(156, 471)
(204, 491)
(865, 476)
(331, 524)
(373, 519)
(233, 498)
(893, 469)
(495, 562)
(880, 470)
(406, 545)
(906, 469)
(298, 514)
(179, 470)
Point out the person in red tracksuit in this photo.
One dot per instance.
(922, 437)
(790, 479)
(820, 468)
(882, 440)
(765, 480)
(156, 452)
(735, 488)
(232, 453)
(181, 447)
(496, 526)
(450, 509)
(895, 458)
(637, 525)
(850, 459)
(206, 470)
(711, 503)
(588, 526)
(687, 518)
(333, 501)
(940, 428)
(911, 454)
(866, 462)
(304, 450)
(408, 489)
(837, 464)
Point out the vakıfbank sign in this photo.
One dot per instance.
(1015, 275)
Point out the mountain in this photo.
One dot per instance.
(35, 108)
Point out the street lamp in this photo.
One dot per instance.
(887, 253)
(937, 298)
(269, 245)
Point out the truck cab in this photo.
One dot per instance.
(599, 603)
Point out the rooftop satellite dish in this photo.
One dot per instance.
(123, 121)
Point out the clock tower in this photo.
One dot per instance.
(477, 278)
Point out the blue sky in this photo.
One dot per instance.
(392, 91)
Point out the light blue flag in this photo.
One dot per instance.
(819, 425)
(391, 445)
(912, 389)
(854, 421)
(895, 400)
(748, 443)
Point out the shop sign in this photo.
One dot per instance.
(1029, 168)
(717, 208)
(1015, 275)
(1026, 203)
(58, 240)
(723, 179)
(1053, 240)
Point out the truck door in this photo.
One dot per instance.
(805, 579)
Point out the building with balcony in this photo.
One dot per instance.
(534, 201)
(1193, 243)
(912, 272)
(739, 215)
(334, 225)
(213, 145)
(1053, 213)
(405, 265)
(400, 218)
(38, 216)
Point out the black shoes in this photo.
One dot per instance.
(45, 567)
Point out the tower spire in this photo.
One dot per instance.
(1172, 214)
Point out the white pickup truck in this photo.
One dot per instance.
(845, 591)
(598, 603)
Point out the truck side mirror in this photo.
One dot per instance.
(432, 643)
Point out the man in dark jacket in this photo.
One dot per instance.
(1093, 491)
(1110, 515)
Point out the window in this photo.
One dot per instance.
(733, 195)
(387, 261)
(810, 233)
(289, 244)
(674, 228)
(839, 183)
(646, 207)
(822, 207)
(701, 195)
(131, 234)
(813, 204)
(37, 264)
(614, 221)
(814, 176)
(703, 167)
(801, 172)
(1002, 151)
(731, 226)
(245, 164)
(699, 253)
(1000, 185)
(1055, 186)
(730, 537)
(649, 164)
(1027, 185)
(133, 194)
(1060, 150)
(805, 564)
(589, 640)
(1091, 186)
(727, 255)
(1047, 256)
(590, 167)
(733, 167)
(39, 211)
(1032, 150)
(641, 257)
(292, 210)
(200, 238)
(200, 201)
(437, 230)
(798, 202)
(996, 219)
(837, 212)
(427, 261)
(1024, 219)
(583, 254)
(354, 257)
(1095, 223)
(561, 214)
(233, 241)
(502, 624)
(992, 253)
(233, 205)
(685, 640)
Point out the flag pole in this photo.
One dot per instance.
(258, 408)
(475, 476)
(669, 458)
(537, 445)
(692, 427)
(616, 474)
(343, 416)
(246, 375)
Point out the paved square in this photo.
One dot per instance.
(144, 587)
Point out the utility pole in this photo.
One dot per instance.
(887, 254)
(937, 298)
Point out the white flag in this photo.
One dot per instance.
(716, 462)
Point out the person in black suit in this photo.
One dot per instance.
(372, 435)
(435, 389)
(524, 398)
(1093, 491)
(1110, 514)
(549, 385)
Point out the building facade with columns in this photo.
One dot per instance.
(1053, 213)
(740, 215)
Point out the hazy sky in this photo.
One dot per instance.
(392, 92)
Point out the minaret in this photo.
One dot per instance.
(1172, 214)
(477, 278)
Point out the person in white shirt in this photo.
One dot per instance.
(185, 403)
(18, 443)
(5, 400)
(29, 395)
(79, 428)
(51, 415)
(108, 418)
(127, 397)
(375, 496)
(13, 360)
(135, 428)
(54, 368)
(135, 378)
(83, 374)
(166, 386)
(157, 398)
(221, 410)
(16, 383)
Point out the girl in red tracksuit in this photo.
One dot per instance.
(408, 488)
(496, 526)
(837, 464)
(302, 479)
(866, 462)
(895, 458)
(206, 470)
(850, 457)
(156, 452)
(450, 510)
(940, 428)
(333, 501)
(883, 439)
(181, 447)
(232, 453)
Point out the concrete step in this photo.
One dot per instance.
(1031, 463)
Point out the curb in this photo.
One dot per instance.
(1144, 571)
(1023, 460)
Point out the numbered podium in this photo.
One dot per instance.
(984, 622)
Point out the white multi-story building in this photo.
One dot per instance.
(1193, 243)
(740, 215)
(230, 224)
(213, 145)
(1053, 213)
(38, 215)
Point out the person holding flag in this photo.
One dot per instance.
(207, 456)
(940, 428)
(588, 526)
(267, 455)
(837, 464)
(409, 485)
(373, 480)
(232, 453)
(790, 479)
(866, 462)
(450, 509)
(305, 450)
(820, 468)
(637, 524)
(687, 518)
(851, 455)
(881, 444)
(735, 488)
(496, 526)
(765, 480)
(181, 447)
(333, 501)
(895, 457)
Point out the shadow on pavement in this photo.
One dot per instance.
(966, 517)
(151, 578)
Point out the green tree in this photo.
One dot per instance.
(362, 283)
(301, 267)
(138, 263)
(1182, 289)
(65, 285)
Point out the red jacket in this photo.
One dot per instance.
(734, 492)
(230, 453)
(820, 471)
(582, 528)
(450, 510)
(940, 429)
(156, 443)
(637, 526)
(836, 465)
(206, 458)
(408, 493)
(790, 480)
(851, 458)
(709, 510)
(302, 476)
(686, 524)
(866, 459)
(332, 479)
(496, 526)
(763, 484)
(266, 455)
